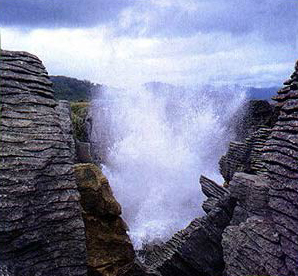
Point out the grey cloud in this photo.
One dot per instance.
(59, 13)
(273, 19)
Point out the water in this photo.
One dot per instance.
(156, 141)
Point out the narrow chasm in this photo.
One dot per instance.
(153, 143)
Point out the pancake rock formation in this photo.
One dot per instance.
(264, 241)
(41, 225)
(57, 218)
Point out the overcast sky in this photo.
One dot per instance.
(126, 42)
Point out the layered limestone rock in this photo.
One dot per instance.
(253, 115)
(41, 226)
(249, 227)
(214, 193)
(266, 241)
(253, 126)
(244, 156)
(108, 245)
(136, 268)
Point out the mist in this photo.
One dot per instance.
(155, 141)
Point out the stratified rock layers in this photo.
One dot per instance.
(108, 245)
(266, 243)
(41, 227)
(250, 227)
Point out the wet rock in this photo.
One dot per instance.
(244, 156)
(251, 194)
(136, 269)
(83, 152)
(253, 115)
(108, 245)
(213, 191)
(252, 248)
(41, 226)
(196, 250)
(264, 243)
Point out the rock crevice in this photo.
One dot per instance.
(108, 245)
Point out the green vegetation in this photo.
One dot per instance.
(72, 89)
(79, 112)
(79, 93)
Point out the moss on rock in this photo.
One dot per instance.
(108, 245)
(79, 111)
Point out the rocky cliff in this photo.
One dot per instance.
(43, 228)
(264, 240)
(250, 223)
(41, 225)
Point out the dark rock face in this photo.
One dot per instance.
(244, 156)
(251, 193)
(214, 193)
(265, 242)
(250, 248)
(253, 115)
(253, 126)
(41, 227)
(83, 152)
(136, 268)
(108, 245)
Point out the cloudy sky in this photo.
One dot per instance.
(127, 42)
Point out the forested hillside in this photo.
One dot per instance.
(72, 89)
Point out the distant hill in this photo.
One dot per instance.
(72, 89)
(265, 93)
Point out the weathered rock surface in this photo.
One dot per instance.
(249, 227)
(244, 156)
(253, 115)
(83, 152)
(41, 226)
(253, 126)
(251, 194)
(251, 242)
(136, 268)
(214, 193)
(108, 245)
(265, 242)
